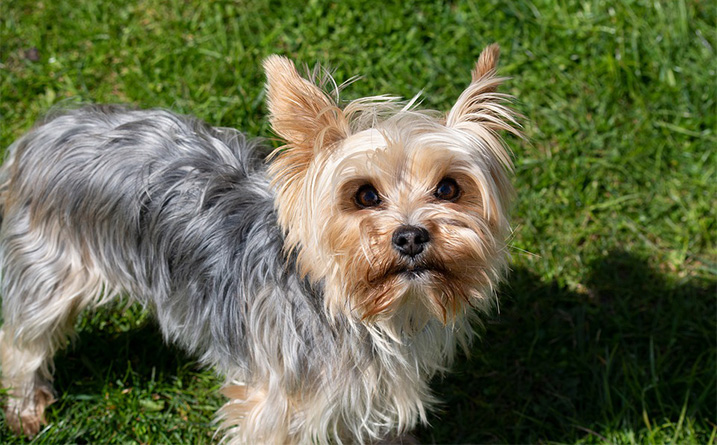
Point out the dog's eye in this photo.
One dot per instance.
(447, 190)
(367, 196)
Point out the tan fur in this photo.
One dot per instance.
(244, 406)
(487, 61)
(401, 154)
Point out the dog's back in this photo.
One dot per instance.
(101, 200)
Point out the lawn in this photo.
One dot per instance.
(607, 326)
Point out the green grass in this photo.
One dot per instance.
(607, 327)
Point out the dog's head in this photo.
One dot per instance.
(401, 213)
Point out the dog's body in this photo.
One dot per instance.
(181, 216)
(328, 314)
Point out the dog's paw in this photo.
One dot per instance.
(27, 416)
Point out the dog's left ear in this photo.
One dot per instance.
(480, 103)
(487, 63)
(481, 111)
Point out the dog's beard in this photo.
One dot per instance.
(377, 284)
(387, 288)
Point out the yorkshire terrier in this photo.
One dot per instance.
(328, 286)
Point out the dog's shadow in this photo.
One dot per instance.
(632, 346)
(99, 356)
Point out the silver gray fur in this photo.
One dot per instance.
(178, 214)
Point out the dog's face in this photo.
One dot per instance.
(401, 213)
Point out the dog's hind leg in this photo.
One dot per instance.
(46, 281)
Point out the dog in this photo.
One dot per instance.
(327, 285)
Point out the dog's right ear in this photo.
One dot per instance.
(300, 112)
(310, 122)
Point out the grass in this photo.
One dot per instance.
(607, 327)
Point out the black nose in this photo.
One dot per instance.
(410, 240)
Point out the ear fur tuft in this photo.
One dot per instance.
(487, 62)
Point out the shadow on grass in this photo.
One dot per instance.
(124, 384)
(119, 382)
(100, 358)
(629, 349)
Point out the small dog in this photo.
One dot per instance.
(328, 287)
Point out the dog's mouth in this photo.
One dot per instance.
(418, 271)
(413, 272)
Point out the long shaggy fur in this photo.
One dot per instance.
(269, 276)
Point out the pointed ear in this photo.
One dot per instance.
(487, 63)
(480, 103)
(309, 121)
(300, 112)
